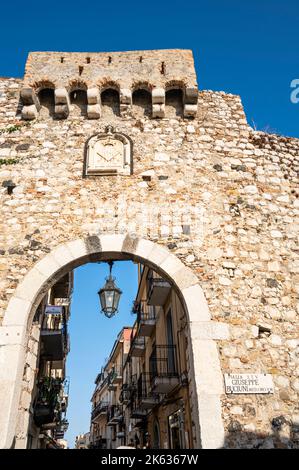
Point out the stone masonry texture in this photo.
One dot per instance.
(244, 181)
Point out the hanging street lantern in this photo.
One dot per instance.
(109, 295)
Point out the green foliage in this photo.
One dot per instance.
(14, 128)
(8, 161)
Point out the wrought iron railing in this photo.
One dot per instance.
(163, 361)
(143, 311)
(113, 374)
(127, 392)
(114, 412)
(101, 407)
(57, 322)
(144, 387)
(137, 340)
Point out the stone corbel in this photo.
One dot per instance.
(190, 101)
(31, 104)
(158, 102)
(62, 105)
(93, 106)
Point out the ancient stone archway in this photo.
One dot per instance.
(205, 373)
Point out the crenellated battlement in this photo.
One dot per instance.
(127, 75)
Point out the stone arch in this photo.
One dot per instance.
(205, 378)
(78, 96)
(110, 98)
(42, 84)
(142, 98)
(45, 91)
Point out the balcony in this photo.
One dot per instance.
(146, 397)
(115, 378)
(55, 340)
(47, 406)
(146, 318)
(61, 429)
(114, 415)
(137, 346)
(126, 394)
(100, 410)
(137, 411)
(158, 291)
(164, 375)
(99, 444)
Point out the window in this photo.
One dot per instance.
(176, 430)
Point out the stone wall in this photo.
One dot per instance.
(244, 185)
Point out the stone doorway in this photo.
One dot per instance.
(205, 376)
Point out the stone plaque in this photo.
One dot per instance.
(248, 383)
(109, 154)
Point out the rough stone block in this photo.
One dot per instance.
(191, 95)
(61, 111)
(158, 96)
(93, 111)
(125, 96)
(61, 96)
(29, 97)
(158, 110)
(29, 112)
(190, 110)
(93, 95)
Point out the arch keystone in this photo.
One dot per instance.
(112, 243)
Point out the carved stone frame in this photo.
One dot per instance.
(127, 156)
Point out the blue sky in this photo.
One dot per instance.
(248, 48)
(92, 334)
(244, 47)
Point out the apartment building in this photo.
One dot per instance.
(82, 441)
(47, 414)
(153, 389)
(107, 422)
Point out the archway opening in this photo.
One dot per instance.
(47, 102)
(141, 351)
(142, 102)
(174, 102)
(78, 99)
(202, 358)
(110, 102)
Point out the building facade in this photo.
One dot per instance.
(82, 441)
(152, 396)
(107, 424)
(120, 156)
(46, 415)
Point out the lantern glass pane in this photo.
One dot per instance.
(103, 300)
(109, 299)
(116, 299)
